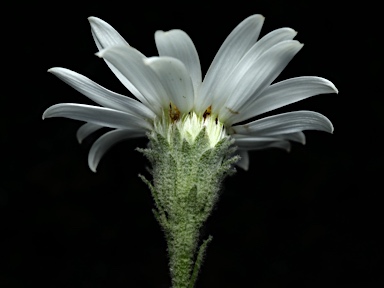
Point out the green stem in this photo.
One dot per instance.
(182, 248)
(184, 270)
(199, 261)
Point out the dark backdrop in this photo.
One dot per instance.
(308, 218)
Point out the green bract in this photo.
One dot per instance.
(188, 166)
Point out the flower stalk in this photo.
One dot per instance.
(187, 175)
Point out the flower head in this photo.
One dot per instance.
(171, 94)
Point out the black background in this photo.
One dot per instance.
(308, 218)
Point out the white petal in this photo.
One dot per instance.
(251, 76)
(176, 81)
(239, 41)
(296, 136)
(284, 123)
(177, 44)
(101, 145)
(271, 39)
(258, 143)
(130, 63)
(98, 115)
(102, 95)
(106, 36)
(287, 92)
(85, 130)
(244, 160)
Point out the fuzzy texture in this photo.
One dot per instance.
(187, 176)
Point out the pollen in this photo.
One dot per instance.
(174, 113)
(207, 112)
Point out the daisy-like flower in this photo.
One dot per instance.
(193, 123)
(236, 87)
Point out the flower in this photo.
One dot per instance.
(170, 91)
(192, 124)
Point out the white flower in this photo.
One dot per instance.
(171, 91)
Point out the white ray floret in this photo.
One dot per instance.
(170, 91)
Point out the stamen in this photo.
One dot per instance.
(207, 112)
(174, 113)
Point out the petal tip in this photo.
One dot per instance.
(148, 61)
(45, 114)
(100, 53)
(330, 85)
(92, 166)
(55, 70)
(92, 19)
(331, 128)
(258, 16)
